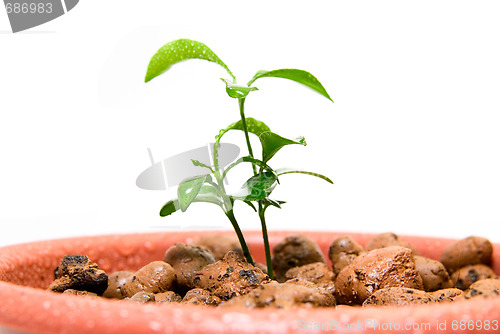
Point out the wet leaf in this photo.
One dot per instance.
(236, 91)
(189, 189)
(169, 208)
(209, 194)
(254, 126)
(272, 143)
(177, 51)
(246, 159)
(299, 76)
(257, 187)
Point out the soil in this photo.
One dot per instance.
(212, 272)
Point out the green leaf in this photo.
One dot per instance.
(250, 204)
(246, 159)
(189, 189)
(236, 91)
(169, 208)
(177, 51)
(209, 194)
(272, 143)
(283, 171)
(299, 76)
(268, 202)
(254, 126)
(257, 187)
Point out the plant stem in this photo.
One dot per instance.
(243, 243)
(217, 173)
(270, 271)
(241, 103)
(262, 217)
(228, 206)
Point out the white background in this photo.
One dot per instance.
(412, 141)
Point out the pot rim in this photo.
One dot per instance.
(28, 308)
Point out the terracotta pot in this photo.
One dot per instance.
(27, 269)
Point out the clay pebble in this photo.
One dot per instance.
(434, 274)
(484, 288)
(187, 260)
(294, 251)
(116, 281)
(374, 270)
(219, 245)
(447, 295)
(284, 296)
(142, 297)
(232, 276)
(386, 240)
(397, 296)
(465, 276)
(342, 252)
(199, 296)
(471, 250)
(155, 277)
(167, 297)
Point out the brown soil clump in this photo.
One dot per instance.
(77, 272)
(230, 277)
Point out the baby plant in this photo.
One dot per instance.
(209, 187)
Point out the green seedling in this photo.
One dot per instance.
(209, 188)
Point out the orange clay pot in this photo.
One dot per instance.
(27, 269)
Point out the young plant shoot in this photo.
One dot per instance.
(210, 188)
